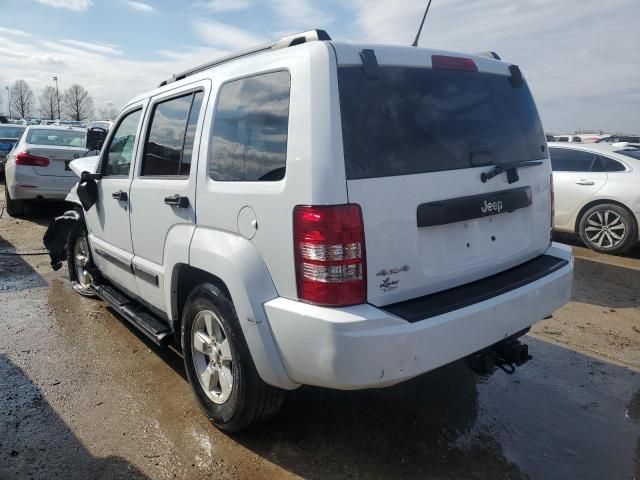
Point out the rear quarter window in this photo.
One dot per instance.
(250, 129)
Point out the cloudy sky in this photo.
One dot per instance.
(581, 57)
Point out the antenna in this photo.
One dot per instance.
(415, 42)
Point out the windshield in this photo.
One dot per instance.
(11, 131)
(630, 153)
(417, 120)
(57, 138)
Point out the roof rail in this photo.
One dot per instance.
(284, 42)
(493, 55)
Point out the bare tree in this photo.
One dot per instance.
(108, 113)
(48, 105)
(77, 103)
(22, 98)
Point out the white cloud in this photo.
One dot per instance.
(140, 6)
(225, 36)
(219, 6)
(301, 15)
(94, 47)
(77, 5)
(14, 32)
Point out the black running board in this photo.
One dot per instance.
(149, 324)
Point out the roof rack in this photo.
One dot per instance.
(284, 42)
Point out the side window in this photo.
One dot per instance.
(563, 139)
(120, 150)
(612, 165)
(567, 160)
(598, 165)
(250, 128)
(169, 144)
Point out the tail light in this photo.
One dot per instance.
(447, 62)
(553, 206)
(25, 158)
(330, 254)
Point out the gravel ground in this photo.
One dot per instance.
(83, 395)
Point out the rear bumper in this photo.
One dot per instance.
(24, 184)
(364, 346)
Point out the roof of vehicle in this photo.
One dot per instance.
(603, 148)
(347, 53)
(57, 127)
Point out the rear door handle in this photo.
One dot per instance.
(120, 195)
(585, 182)
(177, 201)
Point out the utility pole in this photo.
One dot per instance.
(8, 101)
(55, 79)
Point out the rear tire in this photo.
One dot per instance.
(608, 228)
(79, 261)
(15, 208)
(219, 365)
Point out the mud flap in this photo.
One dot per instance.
(55, 238)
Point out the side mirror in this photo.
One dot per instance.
(95, 138)
(84, 176)
(88, 189)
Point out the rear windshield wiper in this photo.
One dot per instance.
(510, 168)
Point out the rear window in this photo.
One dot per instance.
(417, 120)
(11, 132)
(56, 138)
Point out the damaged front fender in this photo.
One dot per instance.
(55, 238)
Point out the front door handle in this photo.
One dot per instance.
(177, 201)
(585, 182)
(120, 195)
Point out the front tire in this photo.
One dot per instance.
(79, 261)
(608, 228)
(219, 365)
(15, 208)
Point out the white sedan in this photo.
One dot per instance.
(597, 194)
(37, 167)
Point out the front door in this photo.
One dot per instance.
(108, 221)
(163, 188)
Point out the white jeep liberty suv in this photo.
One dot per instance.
(321, 213)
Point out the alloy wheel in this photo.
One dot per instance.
(211, 354)
(81, 260)
(605, 229)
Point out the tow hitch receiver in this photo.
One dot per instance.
(505, 355)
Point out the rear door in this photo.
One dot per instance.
(108, 220)
(416, 142)
(163, 188)
(577, 176)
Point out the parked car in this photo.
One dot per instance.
(9, 135)
(635, 139)
(597, 195)
(322, 213)
(37, 167)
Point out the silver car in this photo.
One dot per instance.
(596, 194)
(38, 166)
